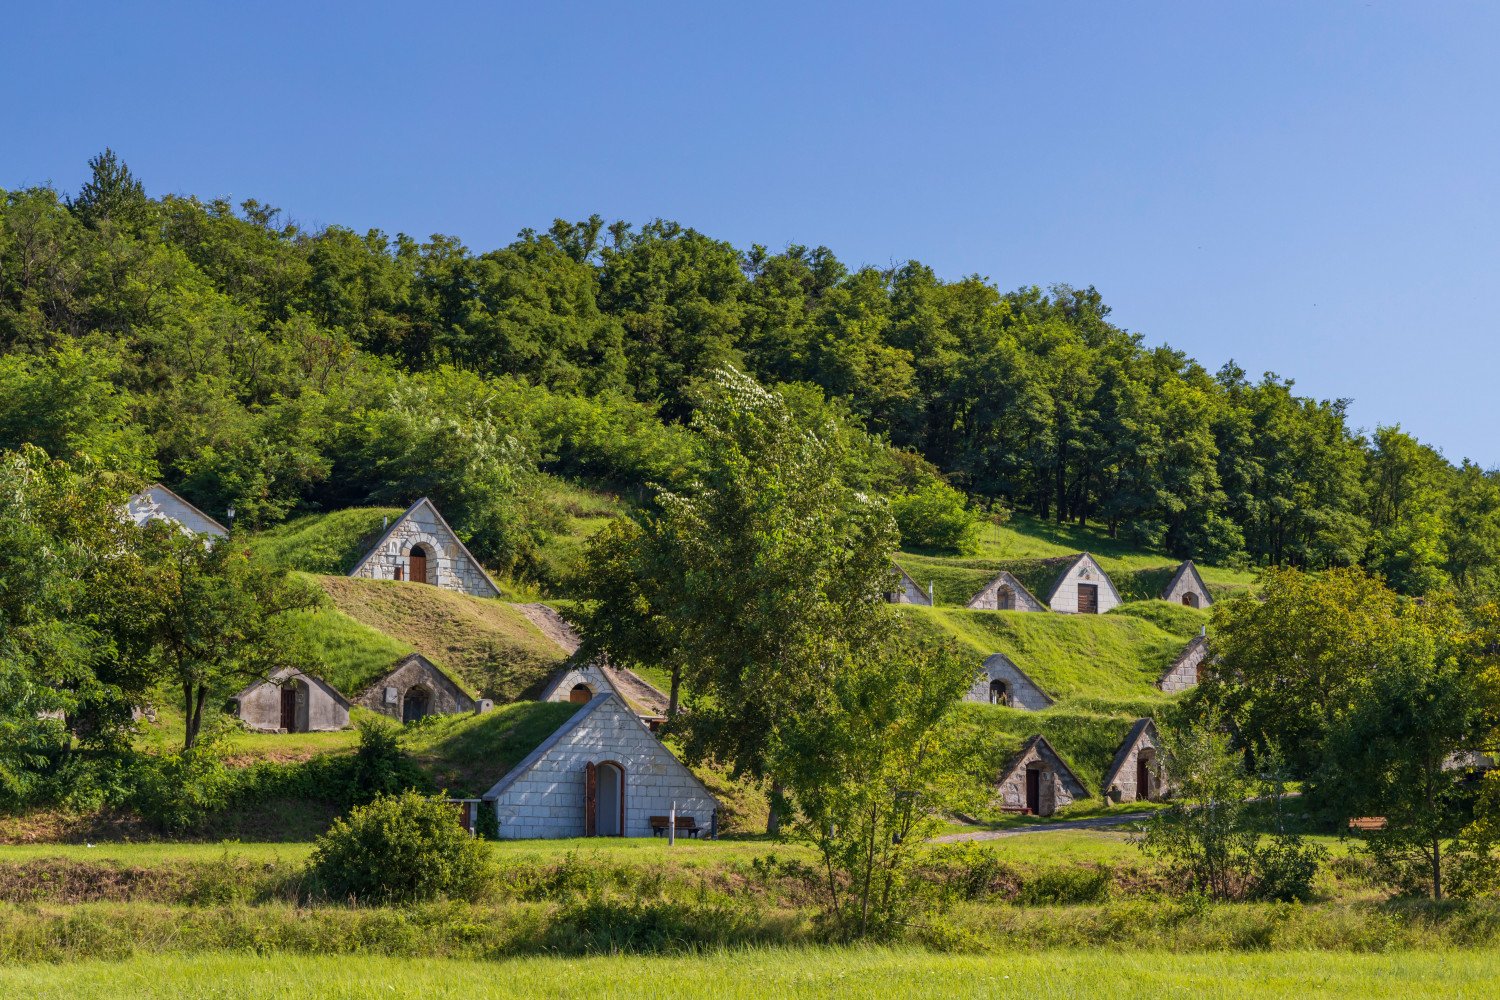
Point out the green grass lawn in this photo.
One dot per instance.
(324, 543)
(759, 973)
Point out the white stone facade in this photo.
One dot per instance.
(1005, 593)
(1083, 574)
(1001, 682)
(544, 795)
(908, 591)
(1187, 587)
(1185, 671)
(318, 707)
(573, 675)
(448, 563)
(157, 503)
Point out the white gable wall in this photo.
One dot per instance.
(449, 564)
(547, 799)
(155, 503)
(1024, 693)
(988, 599)
(1085, 570)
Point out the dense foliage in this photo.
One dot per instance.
(260, 364)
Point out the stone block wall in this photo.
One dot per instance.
(988, 598)
(907, 592)
(548, 799)
(588, 674)
(387, 694)
(1187, 581)
(448, 564)
(1085, 570)
(1024, 692)
(1058, 788)
(1184, 671)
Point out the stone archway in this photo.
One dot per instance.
(416, 705)
(1190, 599)
(1005, 599)
(1000, 693)
(581, 694)
(1144, 778)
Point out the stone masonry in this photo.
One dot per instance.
(449, 563)
(1122, 781)
(157, 503)
(319, 707)
(1184, 671)
(444, 696)
(1187, 587)
(1083, 572)
(908, 591)
(1058, 785)
(1021, 691)
(1021, 599)
(543, 796)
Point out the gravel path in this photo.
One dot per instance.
(1095, 823)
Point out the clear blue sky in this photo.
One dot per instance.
(1309, 188)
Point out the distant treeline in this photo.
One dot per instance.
(258, 364)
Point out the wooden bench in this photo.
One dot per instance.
(685, 824)
(1366, 824)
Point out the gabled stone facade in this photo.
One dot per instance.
(1001, 682)
(292, 701)
(1187, 587)
(1005, 593)
(1137, 760)
(420, 543)
(157, 503)
(1054, 785)
(577, 682)
(1185, 671)
(1083, 588)
(416, 688)
(635, 778)
(908, 591)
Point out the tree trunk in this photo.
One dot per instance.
(773, 819)
(194, 713)
(672, 698)
(1437, 868)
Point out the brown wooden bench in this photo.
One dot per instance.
(1365, 824)
(685, 824)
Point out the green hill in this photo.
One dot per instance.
(324, 543)
(1036, 551)
(489, 646)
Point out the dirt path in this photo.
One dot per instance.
(630, 685)
(1094, 823)
(553, 625)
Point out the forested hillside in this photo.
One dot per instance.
(256, 364)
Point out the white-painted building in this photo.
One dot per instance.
(157, 503)
(420, 547)
(1187, 587)
(602, 773)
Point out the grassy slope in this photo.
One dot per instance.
(490, 645)
(1114, 656)
(324, 543)
(1027, 547)
(466, 754)
(586, 511)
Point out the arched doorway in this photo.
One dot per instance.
(999, 693)
(1034, 790)
(581, 694)
(1005, 599)
(1190, 599)
(604, 800)
(418, 559)
(1143, 775)
(416, 704)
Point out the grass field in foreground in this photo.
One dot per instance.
(822, 972)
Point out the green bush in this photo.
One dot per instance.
(401, 849)
(1283, 869)
(935, 516)
(181, 791)
(1061, 886)
(380, 766)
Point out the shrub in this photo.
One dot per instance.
(1060, 886)
(180, 791)
(1283, 869)
(935, 516)
(380, 766)
(401, 849)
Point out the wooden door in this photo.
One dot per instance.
(1088, 598)
(289, 708)
(590, 799)
(418, 565)
(581, 694)
(1034, 791)
(1005, 599)
(1142, 779)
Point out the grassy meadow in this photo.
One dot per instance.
(756, 973)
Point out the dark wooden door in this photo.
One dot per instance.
(590, 799)
(418, 566)
(289, 709)
(1088, 598)
(1034, 791)
(1005, 599)
(1142, 780)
